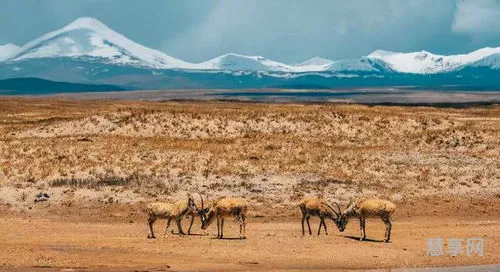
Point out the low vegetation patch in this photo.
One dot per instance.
(138, 183)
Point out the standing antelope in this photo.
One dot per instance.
(169, 211)
(317, 207)
(369, 208)
(221, 208)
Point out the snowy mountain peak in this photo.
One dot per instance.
(233, 61)
(89, 38)
(315, 61)
(89, 23)
(10, 46)
(8, 50)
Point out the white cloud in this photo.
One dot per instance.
(478, 19)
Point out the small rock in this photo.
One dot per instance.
(40, 197)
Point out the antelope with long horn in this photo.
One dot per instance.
(317, 207)
(169, 211)
(369, 208)
(222, 208)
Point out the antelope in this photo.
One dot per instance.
(222, 208)
(169, 211)
(368, 208)
(317, 207)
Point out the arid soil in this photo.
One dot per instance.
(78, 238)
(101, 161)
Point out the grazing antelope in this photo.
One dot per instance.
(169, 211)
(317, 207)
(221, 208)
(369, 208)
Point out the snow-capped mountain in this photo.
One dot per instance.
(238, 62)
(89, 38)
(8, 50)
(90, 43)
(241, 62)
(316, 61)
(315, 64)
(424, 62)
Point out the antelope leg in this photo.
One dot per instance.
(388, 227)
(179, 226)
(222, 227)
(303, 219)
(244, 225)
(241, 221)
(190, 225)
(362, 228)
(218, 227)
(324, 226)
(168, 225)
(321, 222)
(308, 225)
(151, 234)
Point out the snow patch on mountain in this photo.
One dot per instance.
(491, 61)
(8, 50)
(360, 65)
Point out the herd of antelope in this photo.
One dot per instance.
(237, 207)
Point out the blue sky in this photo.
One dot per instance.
(284, 30)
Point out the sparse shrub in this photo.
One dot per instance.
(247, 185)
(135, 182)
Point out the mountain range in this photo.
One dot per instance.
(87, 51)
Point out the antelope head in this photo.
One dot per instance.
(343, 218)
(338, 219)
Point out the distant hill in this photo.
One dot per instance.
(24, 86)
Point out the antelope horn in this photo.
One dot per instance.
(333, 210)
(338, 207)
(202, 206)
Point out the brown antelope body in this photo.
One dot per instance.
(223, 208)
(369, 208)
(317, 207)
(169, 211)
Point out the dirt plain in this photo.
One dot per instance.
(100, 161)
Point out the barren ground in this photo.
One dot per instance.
(100, 161)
